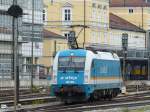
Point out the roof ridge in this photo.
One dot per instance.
(129, 3)
(50, 34)
(122, 24)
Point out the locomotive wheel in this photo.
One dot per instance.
(93, 97)
(110, 97)
(68, 101)
(114, 94)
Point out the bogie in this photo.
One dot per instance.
(107, 94)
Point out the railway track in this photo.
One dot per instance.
(31, 95)
(121, 101)
(29, 101)
(25, 96)
(10, 92)
(29, 98)
(95, 107)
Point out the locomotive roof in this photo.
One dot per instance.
(107, 55)
(83, 52)
(73, 52)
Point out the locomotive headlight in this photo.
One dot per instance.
(54, 78)
(86, 78)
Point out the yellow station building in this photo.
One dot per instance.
(51, 44)
(134, 11)
(88, 18)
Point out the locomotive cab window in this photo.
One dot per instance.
(71, 63)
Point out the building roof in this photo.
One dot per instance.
(129, 3)
(119, 23)
(52, 35)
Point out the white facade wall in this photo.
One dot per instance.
(100, 14)
(99, 21)
(37, 49)
(136, 40)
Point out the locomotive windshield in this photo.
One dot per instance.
(71, 63)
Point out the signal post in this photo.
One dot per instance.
(125, 50)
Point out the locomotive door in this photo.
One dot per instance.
(94, 72)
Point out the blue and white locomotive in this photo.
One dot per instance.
(82, 74)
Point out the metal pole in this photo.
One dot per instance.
(148, 49)
(148, 65)
(55, 48)
(125, 48)
(32, 52)
(142, 18)
(15, 53)
(124, 63)
(123, 71)
(84, 22)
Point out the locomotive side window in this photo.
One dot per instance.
(99, 68)
(103, 69)
(71, 63)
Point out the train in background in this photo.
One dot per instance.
(80, 75)
(136, 70)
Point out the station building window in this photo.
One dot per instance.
(67, 14)
(130, 10)
(94, 5)
(105, 7)
(99, 6)
(66, 34)
(45, 16)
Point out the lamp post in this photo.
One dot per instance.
(15, 11)
(84, 41)
(125, 49)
